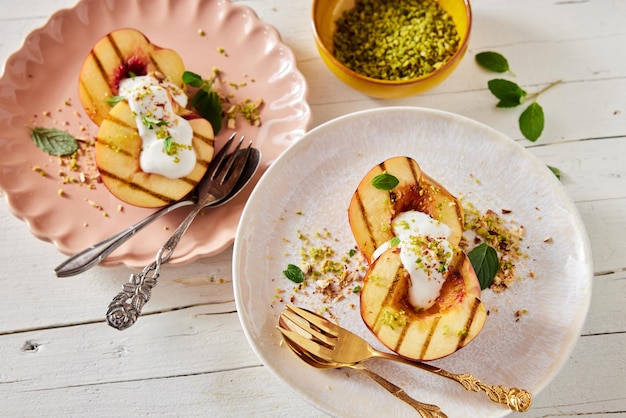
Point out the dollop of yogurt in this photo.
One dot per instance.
(166, 137)
(425, 253)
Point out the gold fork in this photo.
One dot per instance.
(425, 410)
(330, 342)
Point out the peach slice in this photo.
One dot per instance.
(118, 148)
(452, 322)
(371, 210)
(118, 55)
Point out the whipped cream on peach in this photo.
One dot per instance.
(167, 138)
(425, 253)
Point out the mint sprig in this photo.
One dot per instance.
(532, 121)
(205, 102)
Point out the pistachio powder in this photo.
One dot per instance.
(395, 39)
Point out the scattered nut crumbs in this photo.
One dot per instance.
(504, 236)
(519, 314)
(247, 108)
(329, 274)
(78, 168)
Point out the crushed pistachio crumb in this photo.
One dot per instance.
(397, 40)
(503, 235)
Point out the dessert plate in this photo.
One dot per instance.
(300, 205)
(39, 88)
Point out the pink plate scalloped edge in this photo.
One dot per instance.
(42, 77)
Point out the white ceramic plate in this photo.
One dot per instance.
(43, 77)
(308, 190)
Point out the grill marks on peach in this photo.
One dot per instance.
(387, 301)
(470, 321)
(136, 188)
(434, 329)
(367, 199)
(429, 336)
(118, 147)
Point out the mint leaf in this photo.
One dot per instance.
(493, 61)
(54, 141)
(294, 273)
(531, 122)
(556, 171)
(207, 104)
(385, 181)
(509, 93)
(484, 259)
(112, 101)
(193, 79)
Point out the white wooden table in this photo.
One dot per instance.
(188, 355)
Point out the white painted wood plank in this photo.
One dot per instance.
(249, 392)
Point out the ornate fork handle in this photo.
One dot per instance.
(425, 410)
(125, 308)
(518, 400)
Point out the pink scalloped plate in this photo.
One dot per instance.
(39, 88)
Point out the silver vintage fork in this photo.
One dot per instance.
(125, 308)
(334, 343)
(93, 255)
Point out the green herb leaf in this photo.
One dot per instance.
(351, 252)
(356, 289)
(193, 79)
(395, 241)
(167, 145)
(493, 61)
(509, 93)
(531, 122)
(207, 104)
(556, 171)
(385, 181)
(112, 101)
(484, 259)
(151, 122)
(294, 273)
(54, 141)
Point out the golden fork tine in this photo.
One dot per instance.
(302, 323)
(311, 346)
(316, 320)
(424, 410)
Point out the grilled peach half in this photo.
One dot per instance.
(122, 54)
(453, 321)
(372, 210)
(457, 314)
(118, 148)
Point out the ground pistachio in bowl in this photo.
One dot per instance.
(392, 48)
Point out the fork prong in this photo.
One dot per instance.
(221, 156)
(316, 320)
(309, 345)
(305, 325)
(228, 165)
